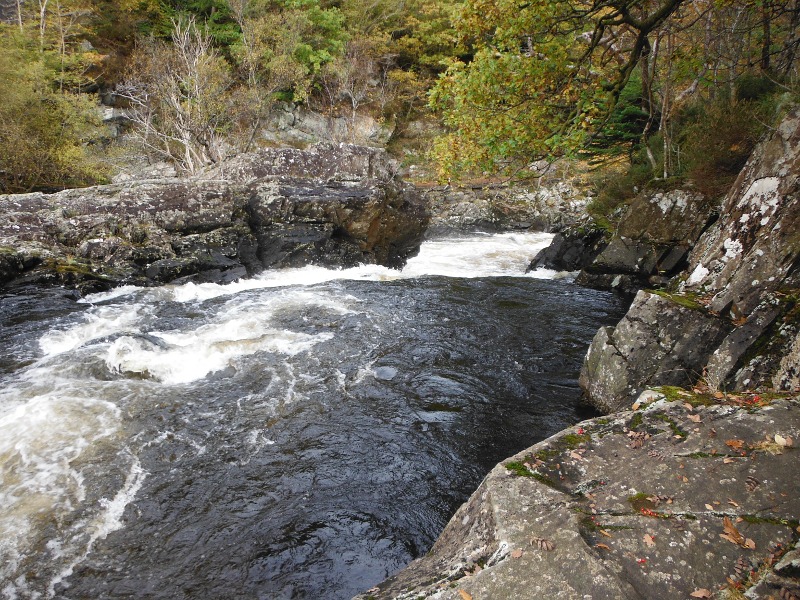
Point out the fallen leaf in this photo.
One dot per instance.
(636, 405)
(688, 407)
(735, 444)
(733, 502)
(603, 546)
(728, 460)
(780, 440)
(516, 553)
(734, 536)
(575, 455)
(701, 593)
(605, 533)
(543, 544)
(685, 479)
(694, 418)
(718, 395)
(709, 507)
(464, 595)
(649, 540)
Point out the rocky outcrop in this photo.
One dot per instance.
(629, 507)
(495, 207)
(651, 242)
(295, 125)
(573, 249)
(331, 205)
(734, 320)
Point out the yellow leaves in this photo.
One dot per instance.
(702, 593)
(785, 442)
(734, 536)
(464, 595)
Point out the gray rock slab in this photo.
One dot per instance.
(626, 507)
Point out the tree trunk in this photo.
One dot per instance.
(766, 44)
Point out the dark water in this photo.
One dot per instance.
(300, 442)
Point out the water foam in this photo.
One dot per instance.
(475, 255)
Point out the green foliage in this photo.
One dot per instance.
(42, 130)
(716, 140)
(524, 95)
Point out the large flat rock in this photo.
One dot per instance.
(629, 507)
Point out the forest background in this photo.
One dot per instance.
(637, 92)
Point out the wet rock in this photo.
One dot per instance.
(734, 320)
(626, 507)
(756, 245)
(571, 250)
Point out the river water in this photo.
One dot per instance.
(302, 434)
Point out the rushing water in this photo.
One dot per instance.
(303, 434)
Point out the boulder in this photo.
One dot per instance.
(662, 340)
(332, 205)
(629, 507)
(573, 249)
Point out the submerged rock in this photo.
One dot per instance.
(331, 205)
(632, 506)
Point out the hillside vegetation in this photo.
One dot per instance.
(642, 90)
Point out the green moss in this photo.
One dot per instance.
(640, 501)
(573, 440)
(635, 421)
(546, 454)
(519, 469)
(756, 519)
(685, 300)
(677, 394)
(672, 425)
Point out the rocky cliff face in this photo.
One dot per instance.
(733, 319)
(332, 205)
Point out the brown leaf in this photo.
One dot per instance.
(733, 502)
(685, 479)
(728, 460)
(605, 533)
(751, 483)
(649, 540)
(709, 507)
(543, 544)
(748, 543)
(694, 418)
(465, 595)
(516, 553)
(702, 593)
(603, 546)
(575, 455)
(688, 407)
(735, 444)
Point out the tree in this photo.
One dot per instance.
(179, 97)
(43, 131)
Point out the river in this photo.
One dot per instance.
(301, 434)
